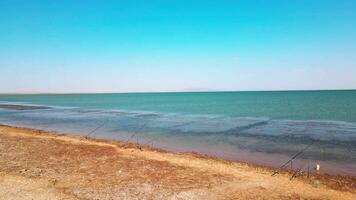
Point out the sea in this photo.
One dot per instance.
(265, 128)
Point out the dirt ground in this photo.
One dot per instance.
(40, 165)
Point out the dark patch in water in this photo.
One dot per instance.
(22, 107)
(239, 129)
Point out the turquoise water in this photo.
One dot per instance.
(261, 127)
(301, 105)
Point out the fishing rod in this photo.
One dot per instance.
(97, 128)
(149, 141)
(137, 131)
(294, 157)
(295, 174)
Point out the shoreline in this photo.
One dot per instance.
(252, 146)
(260, 159)
(186, 175)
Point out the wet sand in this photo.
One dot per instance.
(36, 164)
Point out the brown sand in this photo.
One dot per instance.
(40, 165)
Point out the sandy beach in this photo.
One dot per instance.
(35, 164)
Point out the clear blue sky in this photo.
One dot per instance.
(136, 46)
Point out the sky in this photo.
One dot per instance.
(71, 46)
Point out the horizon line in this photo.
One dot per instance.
(205, 91)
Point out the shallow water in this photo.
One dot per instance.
(260, 127)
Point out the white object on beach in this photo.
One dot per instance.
(317, 167)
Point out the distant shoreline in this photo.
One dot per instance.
(153, 92)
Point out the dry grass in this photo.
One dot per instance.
(40, 165)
